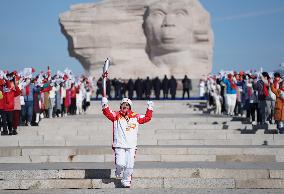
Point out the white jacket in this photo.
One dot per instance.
(125, 128)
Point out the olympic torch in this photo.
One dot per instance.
(105, 76)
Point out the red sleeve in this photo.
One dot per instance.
(146, 118)
(17, 92)
(109, 114)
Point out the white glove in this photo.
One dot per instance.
(104, 101)
(150, 105)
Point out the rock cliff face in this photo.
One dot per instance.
(120, 30)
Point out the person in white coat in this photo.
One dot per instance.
(125, 130)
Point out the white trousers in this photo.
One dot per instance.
(37, 117)
(124, 163)
(79, 107)
(231, 100)
(218, 107)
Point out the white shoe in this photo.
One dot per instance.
(125, 184)
(254, 123)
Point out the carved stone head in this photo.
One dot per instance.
(179, 36)
(168, 27)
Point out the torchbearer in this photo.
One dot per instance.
(125, 130)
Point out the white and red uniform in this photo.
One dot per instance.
(125, 130)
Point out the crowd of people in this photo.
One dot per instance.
(257, 96)
(143, 88)
(25, 98)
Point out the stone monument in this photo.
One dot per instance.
(142, 37)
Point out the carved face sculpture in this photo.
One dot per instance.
(168, 27)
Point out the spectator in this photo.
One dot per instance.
(186, 84)
(17, 108)
(36, 106)
(279, 114)
(272, 97)
(99, 87)
(88, 98)
(165, 87)
(130, 88)
(252, 99)
(58, 99)
(262, 87)
(173, 87)
(138, 88)
(231, 96)
(239, 94)
(147, 88)
(10, 92)
(52, 101)
(216, 94)
(1, 103)
(123, 88)
(201, 88)
(67, 102)
(157, 87)
(108, 89)
(63, 97)
(117, 88)
(46, 99)
(28, 93)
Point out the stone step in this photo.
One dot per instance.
(142, 183)
(148, 131)
(154, 124)
(65, 125)
(146, 175)
(206, 142)
(73, 139)
(161, 141)
(157, 134)
(144, 153)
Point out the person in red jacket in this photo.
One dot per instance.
(10, 91)
(17, 108)
(125, 133)
(1, 103)
(73, 100)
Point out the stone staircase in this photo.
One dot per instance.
(180, 148)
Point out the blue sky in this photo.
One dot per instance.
(248, 34)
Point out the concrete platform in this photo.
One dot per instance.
(144, 153)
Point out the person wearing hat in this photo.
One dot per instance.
(125, 130)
